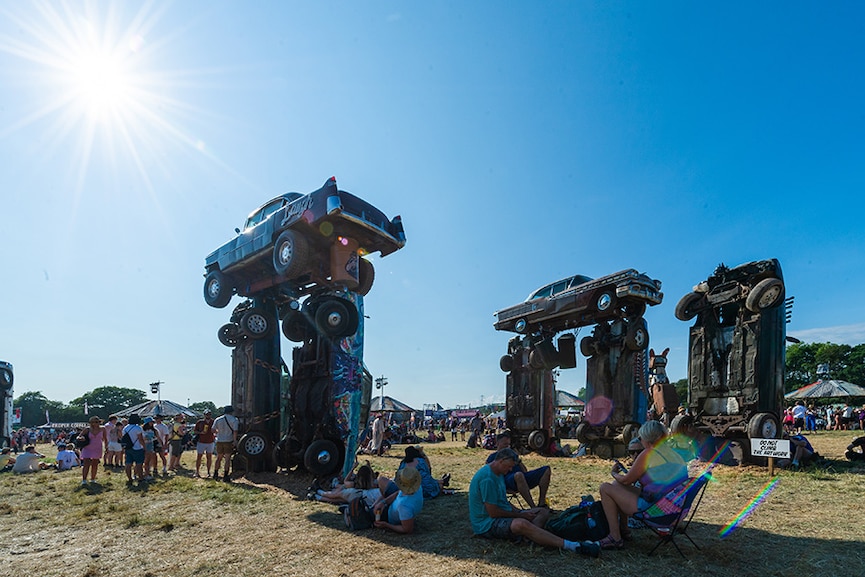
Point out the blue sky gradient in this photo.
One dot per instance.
(521, 143)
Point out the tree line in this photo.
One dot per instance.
(102, 402)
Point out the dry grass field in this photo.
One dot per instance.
(810, 524)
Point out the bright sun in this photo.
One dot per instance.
(99, 80)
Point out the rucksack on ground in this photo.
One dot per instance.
(357, 516)
(585, 522)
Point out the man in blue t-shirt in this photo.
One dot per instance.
(492, 516)
(522, 480)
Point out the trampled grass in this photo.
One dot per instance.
(809, 524)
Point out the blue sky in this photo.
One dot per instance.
(521, 142)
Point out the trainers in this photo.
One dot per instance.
(84, 482)
(589, 548)
(216, 477)
(446, 479)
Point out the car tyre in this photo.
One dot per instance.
(217, 289)
(766, 294)
(229, 334)
(295, 327)
(687, 307)
(629, 431)
(506, 363)
(585, 433)
(290, 254)
(587, 346)
(603, 450)
(334, 318)
(321, 458)
(763, 426)
(257, 324)
(536, 359)
(537, 440)
(253, 445)
(365, 277)
(637, 336)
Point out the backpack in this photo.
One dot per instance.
(583, 522)
(126, 442)
(357, 516)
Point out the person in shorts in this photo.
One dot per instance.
(114, 452)
(225, 428)
(206, 441)
(135, 455)
(175, 442)
(493, 517)
(520, 479)
(163, 432)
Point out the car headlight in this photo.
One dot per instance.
(520, 326)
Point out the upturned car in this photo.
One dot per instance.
(579, 301)
(305, 242)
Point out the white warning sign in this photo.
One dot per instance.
(778, 448)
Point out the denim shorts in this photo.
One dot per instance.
(135, 456)
(501, 529)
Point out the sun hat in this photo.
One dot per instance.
(408, 480)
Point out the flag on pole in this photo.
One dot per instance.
(47, 418)
(85, 408)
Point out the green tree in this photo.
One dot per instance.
(582, 393)
(105, 401)
(33, 404)
(202, 406)
(682, 390)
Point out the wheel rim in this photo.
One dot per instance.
(255, 445)
(257, 324)
(520, 326)
(334, 319)
(286, 251)
(769, 430)
(213, 288)
(323, 457)
(640, 338)
(769, 297)
(604, 302)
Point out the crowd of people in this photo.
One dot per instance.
(134, 445)
(801, 418)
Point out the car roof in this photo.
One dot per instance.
(563, 284)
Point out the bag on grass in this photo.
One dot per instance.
(584, 522)
(357, 515)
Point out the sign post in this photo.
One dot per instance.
(770, 448)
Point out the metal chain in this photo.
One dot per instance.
(268, 366)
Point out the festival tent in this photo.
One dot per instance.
(153, 408)
(566, 399)
(390, 405)
(827, 389)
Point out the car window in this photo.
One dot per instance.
(541, 293)
(578, 280)
(264, 212)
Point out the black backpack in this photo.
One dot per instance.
(357, 516)
(584, 522)
(126, 442)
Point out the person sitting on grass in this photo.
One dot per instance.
(28, 461)
(492, 516)
(415, 457)
(852, 454)
(398, 510)
(6, 459)
(658, 468)
(803, 453)
(519, 479)
(66, 459)
(362, 485)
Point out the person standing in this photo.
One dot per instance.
(163, 431)
(378, 435)
(135, 455)
(175, 442)
(113, 451)
(206, 441)
(93, 451)
(225, 428)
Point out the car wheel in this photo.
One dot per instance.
(506, 363)
(217, 289)
(637, 336)
(629, 431)
(763, 426)
(766, 294)
(605, 301)
(321, 458)
(257, 324)
(536, 360)
(253, 445)
(687, 307)
(333, 318)
(365, 277)
(635, 310)
(295, 327)
(585, 433)
(290, 254)
(587, 346)
(675, 425)
(229, 334)
(537, 440)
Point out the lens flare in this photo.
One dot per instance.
(325, 228)
(598, 410)
(749, 508)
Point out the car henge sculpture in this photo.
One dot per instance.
(616, 370)
(299, 258)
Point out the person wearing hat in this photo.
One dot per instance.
(94, 450)
(206, 441)
(114, 452)
(398, 510)
(225, 428)
(493, 517)
(135, 455)
(520, 479)
(175, 441)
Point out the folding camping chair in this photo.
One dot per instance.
(673, 513)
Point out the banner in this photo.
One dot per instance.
(16, 416)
